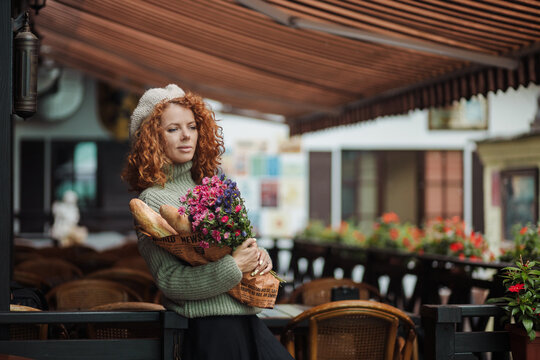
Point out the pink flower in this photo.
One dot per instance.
(224, 219)
(204, 244)
(216, 235)
(238, 208)
(205, 181)
(183, 198)
(211, 216)
(181, 210)
(226, 235)
(204, 231)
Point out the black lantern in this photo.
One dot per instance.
(25, 55)
(37, 4)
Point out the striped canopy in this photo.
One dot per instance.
(318, 63)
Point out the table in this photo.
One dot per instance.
(277, 318)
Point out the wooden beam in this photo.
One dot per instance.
(6, 156)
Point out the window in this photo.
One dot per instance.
(520, 198)
(75, 168)
(90, 168)
(360, 188)
(443, 184)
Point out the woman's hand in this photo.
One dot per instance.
(264, 265)
(247, 255)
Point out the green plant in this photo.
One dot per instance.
(317, 231)
(349, 234)
(448, 237)
(523, 300)
(390, 233)
(526, 244)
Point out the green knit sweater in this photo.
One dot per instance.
(190, 291)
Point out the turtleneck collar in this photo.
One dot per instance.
(180, 170)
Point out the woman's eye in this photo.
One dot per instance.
(172, 130)
(193, 127)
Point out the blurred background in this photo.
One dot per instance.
(331, 112)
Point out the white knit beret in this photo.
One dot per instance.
(148, 101)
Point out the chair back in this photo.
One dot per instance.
(319, 291)
(53, 271)
(139, 281)
(30, 280)
(125, 330)
(352, 329)
(84, 294)
(132, 262)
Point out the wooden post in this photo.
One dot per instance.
(6, 156)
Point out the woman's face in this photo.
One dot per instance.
(180, 133)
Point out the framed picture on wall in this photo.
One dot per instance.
(519, 189)
(464, 114)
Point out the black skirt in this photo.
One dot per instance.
(231, 338)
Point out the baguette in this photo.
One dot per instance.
(150, 221)
(180, 223)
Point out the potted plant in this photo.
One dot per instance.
(447, 237)
(390, 233)
(526, 244)
(522, 304)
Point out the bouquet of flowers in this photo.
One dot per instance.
(211, 221)
(216, 210)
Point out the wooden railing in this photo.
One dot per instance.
(432, 271)
(444, 338)
(164, 346)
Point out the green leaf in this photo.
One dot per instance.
(528, 324)
(514, 311)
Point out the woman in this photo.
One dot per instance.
(175, 144)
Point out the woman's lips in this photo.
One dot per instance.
(184, 148)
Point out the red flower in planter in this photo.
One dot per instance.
(516, 288)
(390, 217)
(456, 246)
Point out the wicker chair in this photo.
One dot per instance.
(53, 271)
(128, 249)
(31, 280)
(125, 330)
(319, 291)
(27, 332)
(84, 294)
(352, 329)
(23, 253)
(132, 262)
(139, 281)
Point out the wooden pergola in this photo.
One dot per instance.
(320, 64)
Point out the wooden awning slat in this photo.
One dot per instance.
(232, 53)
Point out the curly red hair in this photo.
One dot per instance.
(146, 161)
